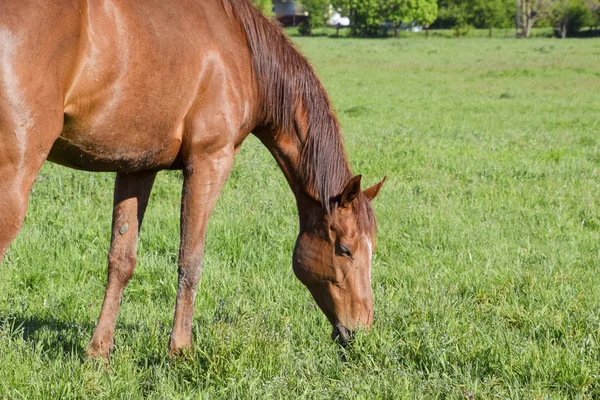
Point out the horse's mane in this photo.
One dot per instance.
(287, 83)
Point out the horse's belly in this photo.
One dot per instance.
(113, 149)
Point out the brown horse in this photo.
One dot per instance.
(137, 87)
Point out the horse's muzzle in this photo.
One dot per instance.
(341, 334)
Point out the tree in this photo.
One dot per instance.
(492, 13)
(530, 11)
(569, 16)
(366, 16)
(594, 7)
(265, 6)
(457, 12)
(318, 12)
(425, 13)
(397, 12)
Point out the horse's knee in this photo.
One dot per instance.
(121, 265)
(189, 274)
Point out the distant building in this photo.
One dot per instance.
(289, 12)
(283, 8)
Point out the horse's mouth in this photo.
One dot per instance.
(341, 334)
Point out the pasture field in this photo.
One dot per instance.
(486, 276)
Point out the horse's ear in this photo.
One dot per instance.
(351, 191)
(372, 192)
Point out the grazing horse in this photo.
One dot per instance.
(136, 87)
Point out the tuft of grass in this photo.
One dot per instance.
(485, 278)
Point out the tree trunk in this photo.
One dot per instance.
(525, 17)
(563, 30)
(457, 32)
(337, 30)
(427, 32)
(518, 18)
(527, 26)
(490, 32)
(395, 30)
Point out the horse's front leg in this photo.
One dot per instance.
(204, 177)
(132, 192)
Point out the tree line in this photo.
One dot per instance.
(370, 18)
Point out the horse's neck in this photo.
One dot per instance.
(286, 148)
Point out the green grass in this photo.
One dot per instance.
(486, 277)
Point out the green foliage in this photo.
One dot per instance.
(462, 14)
(366, 16)
(265, 6)
(569, 16)
(423, 12)
(458, 13)
(594, 7)
(492, 13)
(318, 12)
(370, 17)
(397, 11)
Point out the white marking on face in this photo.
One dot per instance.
(370, 248)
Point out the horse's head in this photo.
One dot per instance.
(333, 254)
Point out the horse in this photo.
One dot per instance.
(137, 87)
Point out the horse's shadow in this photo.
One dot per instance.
(56, 337)
(66, 339)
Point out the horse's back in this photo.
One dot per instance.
(122, 75)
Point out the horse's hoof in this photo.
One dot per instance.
(181, 351)
(99, 350)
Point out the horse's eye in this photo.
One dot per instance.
(345, 251)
